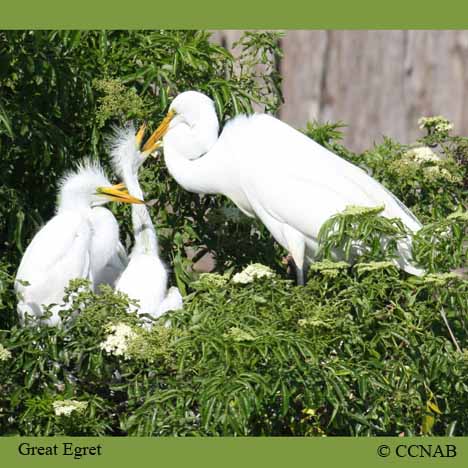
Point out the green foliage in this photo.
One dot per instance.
(61, 92)
(7, 296)
(361, 352)
(430, 177)
(361, 234)
(437, 127)
(362, 349)
(442, 245)
(328, 134)
(117, 101)
(359, 231)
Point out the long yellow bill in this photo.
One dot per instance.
(140, 134)
(121, 187)
(154, 141)
(118, 193)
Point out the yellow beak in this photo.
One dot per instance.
(121, 187)
(155, 140)
(118, 193)
(140, 134)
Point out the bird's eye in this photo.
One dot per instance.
(182, 119)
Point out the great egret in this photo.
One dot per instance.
(145, 277)
(72, 244)
(108, 255)
(270, 171)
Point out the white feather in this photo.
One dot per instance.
(275, 173)
(145, 278)
(80, 241)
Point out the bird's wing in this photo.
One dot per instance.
(63, 241)
(172, 301)
(113, 269)
(145, 280)
(122, 255)
(300, 183)
(58, 253)
(106, 249)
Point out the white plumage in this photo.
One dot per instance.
(80, 241)
(273, 172)
(145, 278)
(108, 256)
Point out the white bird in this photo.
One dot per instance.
(145, 278)
(108, 255)
(78, 242)
(273, 172)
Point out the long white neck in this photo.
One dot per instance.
(204, 175)
(146, 241)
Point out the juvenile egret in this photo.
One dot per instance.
(270, 171)
(145, 277)
(63, 249)
(108, 256)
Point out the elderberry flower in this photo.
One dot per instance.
(252, 272)
(437, 124)
(5, 354)
(421, 154)
(118, 340)
(67, 407)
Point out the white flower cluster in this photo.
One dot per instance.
(67, 407)
(423, 158)
(4, 353)
(439, 123)
(252, 272)
(118, 340)
(436, 172)
(214, 280)
(422, 154)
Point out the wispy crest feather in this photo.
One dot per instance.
(122, 144)
(87, 167)
(87, 175)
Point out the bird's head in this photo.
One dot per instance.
(88, 186)
(190, 126)
(126, 152)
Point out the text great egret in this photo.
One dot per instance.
(145, 277)
(72, 244)
(273, 172)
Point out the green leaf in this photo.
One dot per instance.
(5, 122)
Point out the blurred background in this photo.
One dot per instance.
(377, 82)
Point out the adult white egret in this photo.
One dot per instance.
(145, 277)
(270, 171)
(72, 244)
